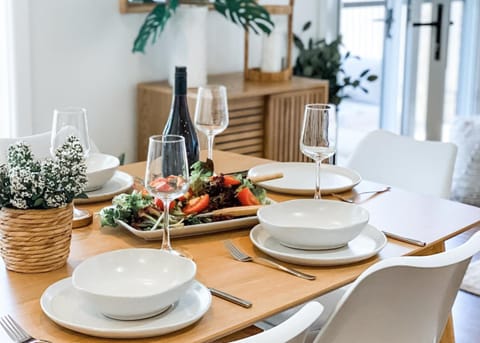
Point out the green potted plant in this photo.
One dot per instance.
(322, 60)
(188, 34)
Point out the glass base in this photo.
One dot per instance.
(81, 218)
(179, 252)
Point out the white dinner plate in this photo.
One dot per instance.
(299, 178)
(62, 303)
(192, 230)
(121, 182)
(368, 243)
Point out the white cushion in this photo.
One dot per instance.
(466, 176)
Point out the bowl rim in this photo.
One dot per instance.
(114, 159)
(190, 277)
(271, 207)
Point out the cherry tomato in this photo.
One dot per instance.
(186, 196)
(161, 185)
(159, 204)
(247, 198)
(197, 204)
(229, 180)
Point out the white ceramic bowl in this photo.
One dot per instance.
(100, 169)
(313, 224)
(134, 283)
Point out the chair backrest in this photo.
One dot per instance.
(40, 144)
(422, 166)
(398, 300)
(293, 330)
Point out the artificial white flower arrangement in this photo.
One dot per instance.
(26, 183)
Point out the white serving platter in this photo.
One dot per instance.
(299, 178)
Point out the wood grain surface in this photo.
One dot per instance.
(269, 290)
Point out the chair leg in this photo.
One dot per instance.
(448, 334)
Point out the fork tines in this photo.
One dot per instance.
(234, 250)
(13, 329)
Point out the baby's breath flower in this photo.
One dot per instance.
(5, 194)
(27, 183)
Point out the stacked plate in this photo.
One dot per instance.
(316, 232)
(104, 180)
(128, 293)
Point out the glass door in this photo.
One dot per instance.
(421, 66)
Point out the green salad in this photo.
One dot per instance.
(207, 193)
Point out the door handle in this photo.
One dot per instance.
(438, 27)
(388, 22)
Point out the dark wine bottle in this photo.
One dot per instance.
(179, 121)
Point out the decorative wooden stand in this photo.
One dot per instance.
(255, 74)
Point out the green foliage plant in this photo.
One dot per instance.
(246, 13)
(322, 60)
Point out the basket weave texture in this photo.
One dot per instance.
(35, 241)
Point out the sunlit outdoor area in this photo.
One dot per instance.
(360, 112)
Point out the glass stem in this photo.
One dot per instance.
(318, 194)
(166, 232)
(210, 146)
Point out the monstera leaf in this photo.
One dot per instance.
(154, 24)
(246, 13)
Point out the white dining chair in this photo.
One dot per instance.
(397, 300)
(424, 167)
(40, 144)
(381, 156)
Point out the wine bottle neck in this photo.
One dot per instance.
(179, 103)
(181, 85)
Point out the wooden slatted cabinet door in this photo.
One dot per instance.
(283, 123)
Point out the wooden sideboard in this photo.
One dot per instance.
(265, 117)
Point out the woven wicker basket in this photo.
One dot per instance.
(34, 241)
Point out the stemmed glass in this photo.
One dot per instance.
(71, 121)
(319, 136)
(211, 112)
(167, 176)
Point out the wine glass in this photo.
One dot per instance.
(211, 112)
(71, 121)
(319, 136)
(166, 176)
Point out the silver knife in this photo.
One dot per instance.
(233, 299)
(404, 239)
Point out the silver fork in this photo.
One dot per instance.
(16, 332)
(351, 199)
(242, 257)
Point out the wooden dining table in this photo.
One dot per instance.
(424, 218)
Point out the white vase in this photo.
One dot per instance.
(189, 44)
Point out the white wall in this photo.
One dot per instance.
(81, 56)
